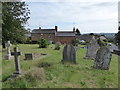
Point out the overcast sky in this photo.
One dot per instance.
(94, 16)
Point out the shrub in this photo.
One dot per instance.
(75, 42)
(43, 43)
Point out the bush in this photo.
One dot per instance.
(43, 43)
(75, 42)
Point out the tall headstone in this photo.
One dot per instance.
(92, 49)
(16, 55)
(8, 53)
(69, 54)
(103, 58)
(57, 46)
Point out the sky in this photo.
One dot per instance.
(96, 16)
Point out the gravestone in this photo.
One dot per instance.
(92, 49)
(8, 53)
(29, 56)
(103, 58)
(16, 55)
(57, 46)
(69, 54)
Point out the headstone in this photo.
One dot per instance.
(29, 56)
(103, 58)
(16, 55)
(57, 46)
(92, 49)
(69, 54)
(8, 54)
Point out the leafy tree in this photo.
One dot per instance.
(43, 43)
(91, 34)
(78, 32)
(15, 16)
(117, 38)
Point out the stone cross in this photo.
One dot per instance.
(103, 58)
(92, 49)
(16, 55)
(69, 53)
(8, 54)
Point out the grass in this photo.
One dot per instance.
(56, 74)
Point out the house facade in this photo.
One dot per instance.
(52, 35)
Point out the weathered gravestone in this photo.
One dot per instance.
(103, 56)
(8, 53)
(16, 55)
(57, 46)
(29, 56)
(69, 54)
(92, 49)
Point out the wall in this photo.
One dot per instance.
(64, 39)
(49, 37)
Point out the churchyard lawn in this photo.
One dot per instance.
(47, 71)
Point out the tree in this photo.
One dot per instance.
(43, 43)
(117, 37)
(78, 32)
(15, 16)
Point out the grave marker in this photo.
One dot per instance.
(103, 58)
(92, 49)
(69, 54)
(16, 55)
(8, 54)
(57, 46)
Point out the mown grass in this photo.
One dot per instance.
(58, 75)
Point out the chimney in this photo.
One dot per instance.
(73, 29)
(40, 28)
(56, 28)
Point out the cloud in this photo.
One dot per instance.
(88, 16)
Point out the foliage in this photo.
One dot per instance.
(102, 42)
(117, 38)
(15, 16)
(91, 34)
(78, 31)
(43, 43)
(75, 42)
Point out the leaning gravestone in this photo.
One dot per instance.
(57, 46)
(103, 56)
(92, 49)
(69, 54)
(8, 54)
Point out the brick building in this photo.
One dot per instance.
(52, 35)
